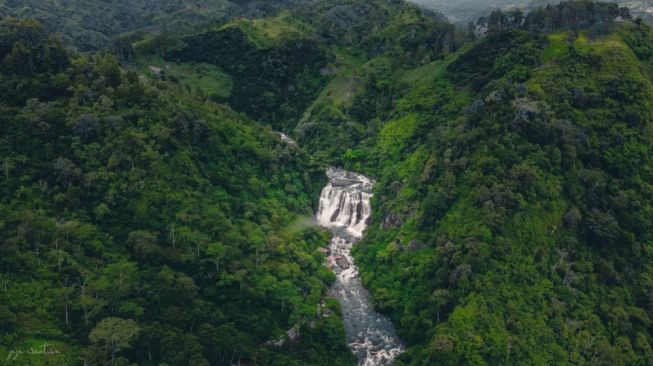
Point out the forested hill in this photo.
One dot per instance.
(141, 225)
(320, 65)
(512, 219)
(90, 25)
(150, 215)
(511, 215)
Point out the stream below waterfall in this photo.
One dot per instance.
(345, 209)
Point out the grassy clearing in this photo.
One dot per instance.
(424, 73)
(343, 89)
(266, 32)
(348, 57)
(204, 78)
(557, 46)
(346, 83)
(396, 133)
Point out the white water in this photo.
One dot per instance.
(345, 209)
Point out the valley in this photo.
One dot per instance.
(345, 209)
(325, 183)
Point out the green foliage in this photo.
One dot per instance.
(205, 80)
(510, 221)
(95, 24)
(292, 72)
(511, 53)
(142, 225)
(512, 210)
(112, 335)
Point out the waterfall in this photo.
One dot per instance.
(345, 209)
(345, 202)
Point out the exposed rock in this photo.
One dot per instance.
(391, 221)
(285, 138)
(293, 333)
(343, 182)
(342, 262)
(335, 215)
(278, 343)
(494, 96)
(156, 70)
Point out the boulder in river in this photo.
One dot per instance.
(342, 262)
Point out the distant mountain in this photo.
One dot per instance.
(469, 9)
(466, 9)
(90, 24)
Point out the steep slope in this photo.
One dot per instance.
(512, 215)
(141, 225)
(275, 77)
(303, 71)
(511, 211)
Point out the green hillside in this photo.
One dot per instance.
(91, 25)
(146, 196)
(139, 224)
(512, 220)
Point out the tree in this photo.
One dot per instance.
(110, 70)
(20, 60)
(217, 252)
(122, 47)
(114, 335)
(145, 243)
(602, 227)
(65, 171)
(14, 30)
(87, 127)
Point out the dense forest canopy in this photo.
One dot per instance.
(150, 214)
(140, 224)
(514, 196)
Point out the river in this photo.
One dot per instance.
(345, 209)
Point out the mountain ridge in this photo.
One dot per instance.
(511, 213)
(90, 25)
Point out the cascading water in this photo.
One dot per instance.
(344, 209)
